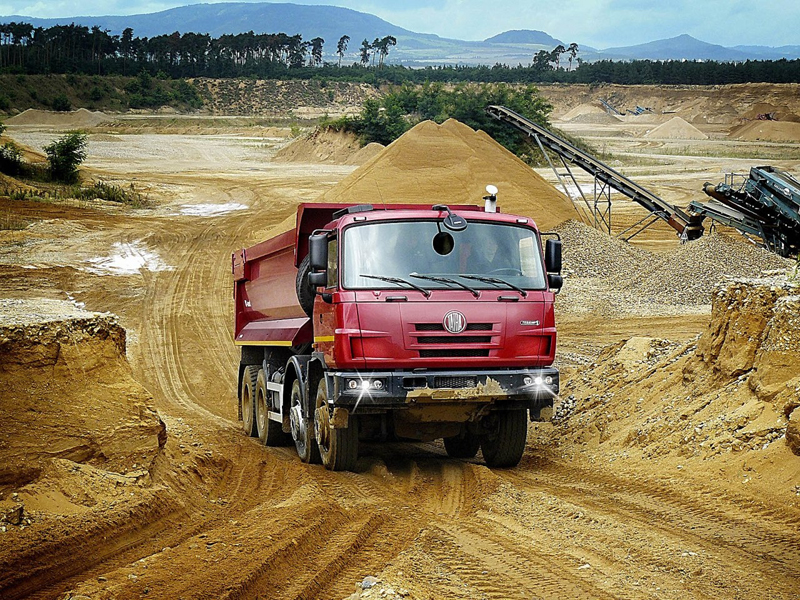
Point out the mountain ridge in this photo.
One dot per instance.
(413, 48)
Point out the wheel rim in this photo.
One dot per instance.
(261, 413)
(247, 405)
(298, 424)
(322, 423)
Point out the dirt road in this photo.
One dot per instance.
(224, 517)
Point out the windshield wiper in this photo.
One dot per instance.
(475, 292)
(399, 280)
(495, 280)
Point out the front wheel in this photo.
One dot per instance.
(504, 444)
(302, 427)
(338, 447)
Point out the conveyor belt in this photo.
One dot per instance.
(683, 223)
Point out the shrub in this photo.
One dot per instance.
(61, 103)
(5, 103)
(10, 159)
(64, 155)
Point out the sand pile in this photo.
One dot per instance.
(75, 118)
(452, 164)
(727, 400)
(676, 129)
(592, 253)
(320, 146)
(582, 110)
(689, 273)
(68, 393)
(767, 131)
(365, 154)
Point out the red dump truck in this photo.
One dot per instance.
(397, 322)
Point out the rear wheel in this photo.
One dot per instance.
(338, 447)
(302, 428)
(462, 446)
(269, 432)
(247, 399)
(505, 444)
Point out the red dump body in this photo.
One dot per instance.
(367, 329)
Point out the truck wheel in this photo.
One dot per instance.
(269, 432)
(305, 293)
(504, 446)
(465, 446)
(302, 428)
(337, 447)
(247, 399)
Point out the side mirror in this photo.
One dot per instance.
(552, 256)
(318, 252)
(554, 281)
(318, 279)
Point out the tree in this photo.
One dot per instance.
(64, 155)
(316, 51)
(365, 52)
(341, 47)
(573, 52)
(541, 61)
(555, 55)
(383, 46)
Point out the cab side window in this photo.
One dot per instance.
(333, 263)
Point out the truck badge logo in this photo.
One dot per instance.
(534, 323)
(454, 322)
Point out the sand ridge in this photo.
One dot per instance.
(76, 118)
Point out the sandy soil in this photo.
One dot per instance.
(222, 517)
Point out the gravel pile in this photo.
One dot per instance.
(592, 253)
(689, 274)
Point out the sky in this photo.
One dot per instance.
(597, 23)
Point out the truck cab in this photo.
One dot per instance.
(414, 323)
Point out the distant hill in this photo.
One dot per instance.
(328, 22)
(770, 53)
(677, 48)
(524, 36)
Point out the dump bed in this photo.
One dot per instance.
(267, 310)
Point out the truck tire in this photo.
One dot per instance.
(465, 446)
(247, 399)
(504, 446)
(269, 432)
(305, 293)
(338, 448)
(302, 429)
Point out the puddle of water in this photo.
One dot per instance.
(128, 259)
(211, 210)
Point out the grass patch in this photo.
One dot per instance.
(100, 190)
(10, 221)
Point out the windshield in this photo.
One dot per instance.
(483, 256)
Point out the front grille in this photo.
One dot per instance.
(446, 381)
(440, 327)
(463, 339)
(453, 353)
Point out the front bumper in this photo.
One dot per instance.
(534, 388)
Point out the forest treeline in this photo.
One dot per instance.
(25, 49)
